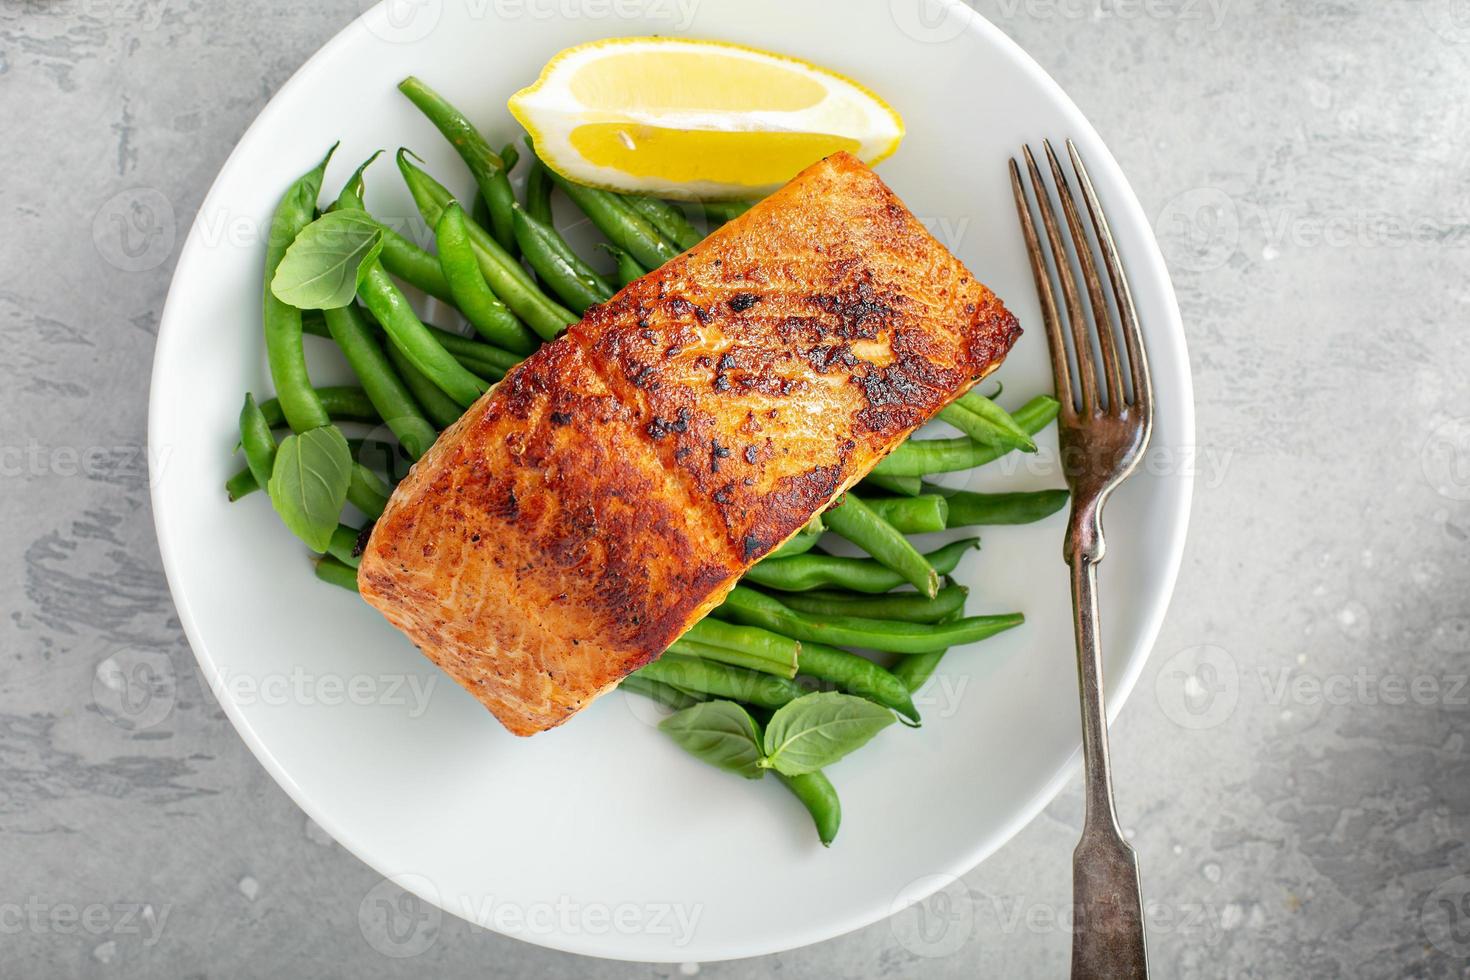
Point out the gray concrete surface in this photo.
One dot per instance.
(1294, 764)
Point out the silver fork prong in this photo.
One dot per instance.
(1127, 313)
(1081, 346)
(1050, 316)
(1102, 320)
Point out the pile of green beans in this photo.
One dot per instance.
(792, 624)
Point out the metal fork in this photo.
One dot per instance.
(1104, 430)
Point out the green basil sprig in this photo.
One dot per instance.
(816, 730)
(721, 733)
(325, 264)
(309, 481)
(813, 731)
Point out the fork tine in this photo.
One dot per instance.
(1102, 319)
(1086, 373)
(1061, 376)
(1132, 334)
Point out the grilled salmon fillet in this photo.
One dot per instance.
(610, 491)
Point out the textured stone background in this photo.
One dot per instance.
(1294, 762)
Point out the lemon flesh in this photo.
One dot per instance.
(682, 156)
(696, 119)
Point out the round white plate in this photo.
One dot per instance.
(601, 837)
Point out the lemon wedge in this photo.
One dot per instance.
(696, 120)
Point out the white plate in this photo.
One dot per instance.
(601, 837)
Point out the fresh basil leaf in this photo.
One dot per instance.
(309, 482)
(721, 733)
(322, 268)
(816, 730)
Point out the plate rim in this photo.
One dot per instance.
(1155, 607)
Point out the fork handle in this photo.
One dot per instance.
(1107, 935)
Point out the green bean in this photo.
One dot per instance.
(487, 166)
(258, 441)
(413, 340)
(667, 218)
(352, 192)
(399, 256)
(803, 541)
(439, 407)
(800, 544)
(624, 227)
(665, 694)
(284, 350)
(967, 508)
(241, 484)
(383, 389)
(344, 403)
(504, 274)
(806, 572)
(914, 671)
(987, 423)
(511, 156)
(721, 680)
(854, 520)
(906, 486)
(415, 266)
(628, 267)
(343, 545)
(918, 457)
(756, 649)
(923, 514)
(480, 211)
(719, 212)
(686, 647)
(908, 607)
(479, 304)
(366, 492)
(819, 796)
(857, 675)
(752, 608)
(476, 356)
(329, 569)
(574, 281)
(538, 192)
